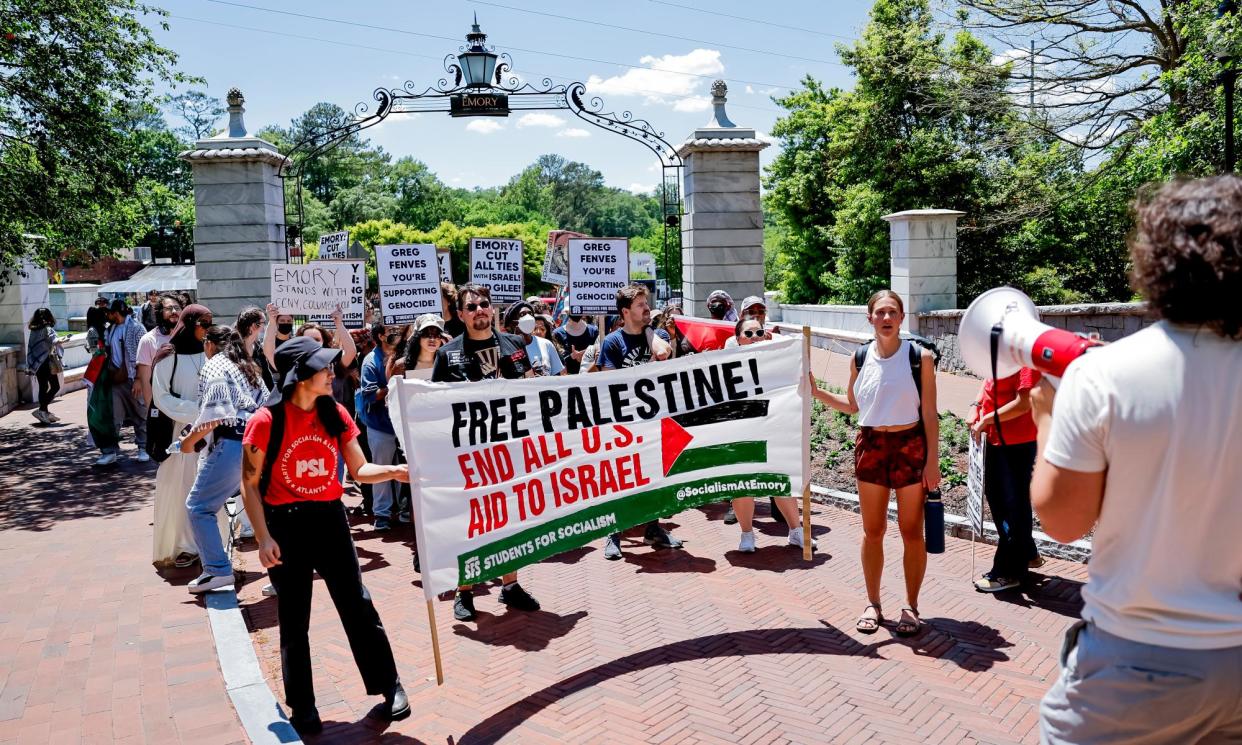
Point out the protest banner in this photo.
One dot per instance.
(506, 473)
(409, 281)
(598, 267)
(974, 485)
(445, 260)
(314, 290)
(556, 260)
(496, 263)
(334, 246)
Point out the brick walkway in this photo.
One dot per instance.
(702, 645)
(95, 646)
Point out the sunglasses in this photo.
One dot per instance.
(748, 333)
(431, 334)
(204, 323)
(472, 307)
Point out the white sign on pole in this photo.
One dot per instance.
(496, 263)
(334, 245)
(445, 260)
(974, 485)
(409, 281)
(555, 262)
(598, 267)
(315, 290)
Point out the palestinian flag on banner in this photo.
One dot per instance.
(705, 334)
(711, 432)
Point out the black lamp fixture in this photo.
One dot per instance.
(478, 63)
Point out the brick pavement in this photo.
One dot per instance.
(95, 646)
(696, 646)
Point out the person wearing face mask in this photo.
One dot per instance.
(169, 311)
(544, 360)
(279, 331)
(373, 414)
(574, 337)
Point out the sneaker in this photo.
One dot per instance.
(795, 539)
(660, 538)
(517, 598)
(382, 524)
(207, 582)
(41, 415)
(612, 547)
(306, 721)
(50, 417)
(106, 459)
(987, 583)
(1037, 562)
(396, 703)
(730, 517)
(269, 590)
(143, 457)
(747, 544)
(775, 511)
(463, 606)
(184, 559)
(404, 517)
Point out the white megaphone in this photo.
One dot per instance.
(1022, 340)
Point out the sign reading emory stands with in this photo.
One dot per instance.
(506, 473)
(496, 263)
(409, 281)
(315, 290)
(334, 245)
(598, 267)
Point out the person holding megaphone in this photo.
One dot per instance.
(893, 392)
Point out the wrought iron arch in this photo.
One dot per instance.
(521, 96)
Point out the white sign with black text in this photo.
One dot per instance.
(446, 264)
(496, 263)
(334, 245)
(409, 281)
(316, 289)
(598, 267)
(974, 485)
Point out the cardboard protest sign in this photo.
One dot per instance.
(556, 260)
(598, 267)
(334, 245)
(446, 265)
(409, 281)
(496, 263)
(506, 473)
(314, 290)
(974, 485)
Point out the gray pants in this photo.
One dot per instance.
(1114, 690)
(125, 406)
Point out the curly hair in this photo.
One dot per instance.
(1187, 252)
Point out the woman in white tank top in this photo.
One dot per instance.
(891, 453)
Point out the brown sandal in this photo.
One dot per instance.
(907, 628)
(868, 625)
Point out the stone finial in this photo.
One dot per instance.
(237, 126)
(719, 120)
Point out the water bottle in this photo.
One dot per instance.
(933, 522)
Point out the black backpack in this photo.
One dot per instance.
(917, 345)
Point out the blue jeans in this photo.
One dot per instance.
(219, 477)
(383, 453)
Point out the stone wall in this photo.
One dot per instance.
(1110, 320)
(10, 392)
(841, 317)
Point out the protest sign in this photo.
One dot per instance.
(334, 245)
(556, 260)
(496, 263)
(974, 485)
(409, 281)
(506, 473)
(445, 260)
(598, 267)
(314, 290)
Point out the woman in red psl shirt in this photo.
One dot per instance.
(292, 450)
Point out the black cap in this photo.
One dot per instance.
(515, 310)
(299, 359)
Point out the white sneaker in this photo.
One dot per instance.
(106, 459)
(207, 582)
(747, 544)
(245, 533)
(795, 539)
(50, 417)
(143, 457)
(38, 414)
(269, 591)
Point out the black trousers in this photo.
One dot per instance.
(1007, 483)
(49, 384)
(314, 537)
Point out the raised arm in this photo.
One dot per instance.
(269, 335)
(344, 339)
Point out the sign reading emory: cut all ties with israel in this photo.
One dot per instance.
(409, 281)
(496, 263)
(598, 267)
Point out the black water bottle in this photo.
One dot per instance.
(933, 522)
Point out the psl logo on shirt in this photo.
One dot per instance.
(308, 465)
(313, 467)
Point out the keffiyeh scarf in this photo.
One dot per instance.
(225, 396)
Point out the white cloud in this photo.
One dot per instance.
(638, 188)
(750, 90)
(664, 78)
(540, 120)
(693, 103)
(484, 126)
(575, 132)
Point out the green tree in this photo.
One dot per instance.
(199, 111)
(422, 200)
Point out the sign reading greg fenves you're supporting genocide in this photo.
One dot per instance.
(506, 473)
(598, 267)
(496, 263)
(315, 290)
(409, 281)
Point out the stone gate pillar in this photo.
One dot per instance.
(722, 235)
(239, 223)
(923, 247)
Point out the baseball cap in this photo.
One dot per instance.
(426, 321)
(299, 359)
(753, 300)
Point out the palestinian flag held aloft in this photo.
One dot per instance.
(705, 334)
(506, 473)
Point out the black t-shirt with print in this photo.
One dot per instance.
(574, 344)
(464, 359)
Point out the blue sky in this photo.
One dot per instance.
(284, 64)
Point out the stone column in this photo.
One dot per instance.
(923, 245)
(19, 299)
(239, 224)
(722, 234)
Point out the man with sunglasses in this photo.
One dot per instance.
(482, 353)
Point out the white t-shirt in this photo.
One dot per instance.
(150, 343)
(1161, 411)
(543, 357)
(884, 389)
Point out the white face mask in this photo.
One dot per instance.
(576, 328)
(526, 324)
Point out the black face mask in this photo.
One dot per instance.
(284, 329)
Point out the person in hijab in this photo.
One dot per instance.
(720, 306)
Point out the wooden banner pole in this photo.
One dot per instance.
(435, 642)
(806, 448)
